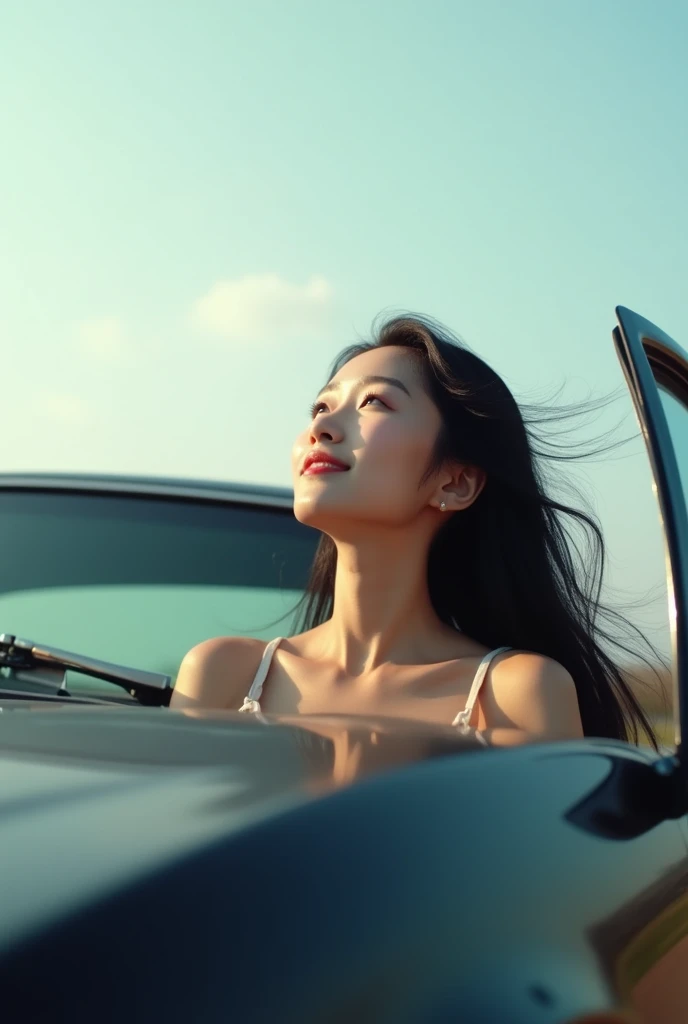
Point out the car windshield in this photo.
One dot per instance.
(140, 580)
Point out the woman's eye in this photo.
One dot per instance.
(366, 397)
(315, 409)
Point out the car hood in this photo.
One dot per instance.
(92, 798)
(311, 753)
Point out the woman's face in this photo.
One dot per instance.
(383, 430)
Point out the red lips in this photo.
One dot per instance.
(318, 455)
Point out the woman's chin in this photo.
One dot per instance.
(316, 512)
(309, 511)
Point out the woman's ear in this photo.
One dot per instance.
(462, 488)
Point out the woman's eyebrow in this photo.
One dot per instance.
(336, 386)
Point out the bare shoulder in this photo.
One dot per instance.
(217, 672)
(531, 692)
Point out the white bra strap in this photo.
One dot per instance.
(259, 678)
(463, 717)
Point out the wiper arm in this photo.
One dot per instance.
(29, 697)
(37, 663)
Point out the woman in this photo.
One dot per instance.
(447, 586)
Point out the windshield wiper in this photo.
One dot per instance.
(21, 697)
(46, 668)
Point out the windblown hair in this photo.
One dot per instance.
(529, 569)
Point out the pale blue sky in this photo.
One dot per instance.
(204, 201)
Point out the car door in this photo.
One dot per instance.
(656, 371)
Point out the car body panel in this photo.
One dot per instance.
(290, 851)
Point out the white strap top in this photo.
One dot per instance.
(252, 699)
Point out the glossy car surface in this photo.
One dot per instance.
(211, 866)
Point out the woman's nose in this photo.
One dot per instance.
(325, 426)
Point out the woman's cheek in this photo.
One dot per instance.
(405, 445)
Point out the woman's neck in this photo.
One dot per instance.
(382, 608)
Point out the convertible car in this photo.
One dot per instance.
(164, 865)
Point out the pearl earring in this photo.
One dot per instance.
(443, 505)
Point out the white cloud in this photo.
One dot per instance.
(103, 341)
(265, 307)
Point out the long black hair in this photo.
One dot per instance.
(531, 567)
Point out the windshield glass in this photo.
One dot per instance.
(139, 580)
